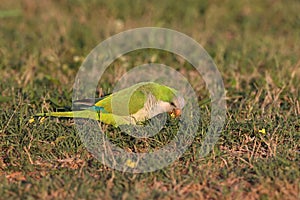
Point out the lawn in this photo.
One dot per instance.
(256, 47)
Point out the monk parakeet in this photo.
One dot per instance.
(128, 106)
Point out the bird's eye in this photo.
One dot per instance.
(172, 104)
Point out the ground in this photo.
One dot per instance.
(255, 46)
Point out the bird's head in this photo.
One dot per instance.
(176, 106)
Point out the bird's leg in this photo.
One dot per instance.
(99, 114)
(132, 118)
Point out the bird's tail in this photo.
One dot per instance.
(90, 114)
(107, 118)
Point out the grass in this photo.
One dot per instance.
(255, 46)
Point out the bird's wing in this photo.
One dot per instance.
(130, 100)
(84, 104)
(124, 102)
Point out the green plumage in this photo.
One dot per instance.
(136, 95)
(118, 108)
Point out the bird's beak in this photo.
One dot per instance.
(175, 112)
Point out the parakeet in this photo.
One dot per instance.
(134, 104)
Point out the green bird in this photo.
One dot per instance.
(131, 105)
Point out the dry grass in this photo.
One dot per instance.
(255, 46)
